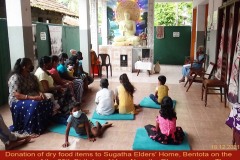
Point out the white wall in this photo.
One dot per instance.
(200, 26)
(212, 32)
(200, 2)
(19, 29)
(213, 5)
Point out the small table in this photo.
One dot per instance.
(139, 65)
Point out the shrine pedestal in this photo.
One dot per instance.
(121, 56)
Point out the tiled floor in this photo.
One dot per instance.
(205, 125)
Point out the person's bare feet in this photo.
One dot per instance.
(137, 106)
(182, 80)
(19, 142)
(22, 137)
(34, 135)
(139, 110)
(108, 124)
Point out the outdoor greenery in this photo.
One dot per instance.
(173, 14)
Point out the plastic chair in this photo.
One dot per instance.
(198, 75)
(217, 84)
(94, 63)
(104, 58)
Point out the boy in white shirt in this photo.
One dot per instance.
(105, 99)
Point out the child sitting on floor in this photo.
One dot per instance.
(79, 121)
(161, 90)
(124, 96)
(105, 99)
(165, 131)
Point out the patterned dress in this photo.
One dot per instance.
(168, 134)
(29, 116)
(233, 120)
(77, 83)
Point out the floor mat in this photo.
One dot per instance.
(147, 102)
(114, 116)
(143, 142)
(61, 128)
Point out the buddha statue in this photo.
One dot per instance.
(127, 29)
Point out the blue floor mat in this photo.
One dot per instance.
(61, 128)
(143, 142)
(147, 102)
(114, 116)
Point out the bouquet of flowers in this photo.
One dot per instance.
(143, 36)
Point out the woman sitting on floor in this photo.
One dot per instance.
(63, 72)
(57, 79)
(46, 83)
(30, 109)
(165, 131)
(76, 61)
(55, 92)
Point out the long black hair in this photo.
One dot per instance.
(54, 58)
(167, 111)
(44, 60)
(20, 63)
(62, 56)
(126, 84)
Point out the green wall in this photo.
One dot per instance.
(43, 46)
(70, 38)
(5, 66)
(172, 50)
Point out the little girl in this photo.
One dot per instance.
(124, 96)
(165, 131)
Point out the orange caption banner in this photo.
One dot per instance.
(119, 155)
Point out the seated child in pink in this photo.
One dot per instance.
(165, 131)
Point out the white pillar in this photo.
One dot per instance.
(104, 28)
(84, 31)
(212, 31)
(150, 28)
(94, 25)
(19, 29)
(200, 26)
